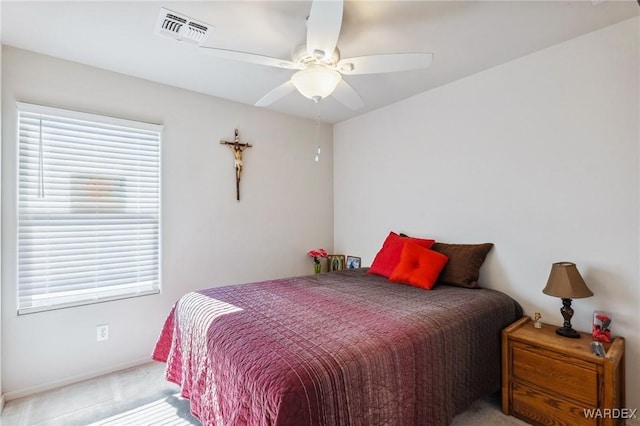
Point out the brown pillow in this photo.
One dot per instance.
(465, 260)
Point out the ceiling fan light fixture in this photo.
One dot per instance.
(316, 81)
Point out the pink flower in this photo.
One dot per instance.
(316, 254)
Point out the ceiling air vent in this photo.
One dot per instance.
(182, 28)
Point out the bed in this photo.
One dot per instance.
(339, 348)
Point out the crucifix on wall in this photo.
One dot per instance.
(237, 149)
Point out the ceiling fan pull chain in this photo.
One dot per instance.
(317, 131)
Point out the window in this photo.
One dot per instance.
(88, 208)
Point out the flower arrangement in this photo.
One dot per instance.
(316, 254)
(317, 267)
(601, 326)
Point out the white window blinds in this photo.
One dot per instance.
(88, 208)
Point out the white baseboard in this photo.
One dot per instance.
(70, 380)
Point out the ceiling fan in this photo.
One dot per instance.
(318, 63)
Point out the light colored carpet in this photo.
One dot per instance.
(140, 396)
(171, 410)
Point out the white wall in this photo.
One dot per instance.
(1, 394)
(539, 156)
(208, 239)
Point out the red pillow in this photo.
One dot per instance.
(418, 266)
(389, 255)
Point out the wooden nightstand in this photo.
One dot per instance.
(551, 380)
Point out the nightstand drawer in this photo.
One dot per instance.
(571, 377)
(543, 409)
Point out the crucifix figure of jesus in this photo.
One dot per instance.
(237, 149)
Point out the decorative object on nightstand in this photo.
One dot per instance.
(536, 320)
(601, 326)
(317, 266)
(566, 282)
(550, 380)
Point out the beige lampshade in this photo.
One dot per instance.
(566, 282)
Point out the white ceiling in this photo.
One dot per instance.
(465, 37)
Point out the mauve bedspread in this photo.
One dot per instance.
(343, 348)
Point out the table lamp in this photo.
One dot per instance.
(565, 282)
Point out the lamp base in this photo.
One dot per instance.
(567, 332)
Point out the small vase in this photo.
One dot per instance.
(317, 267)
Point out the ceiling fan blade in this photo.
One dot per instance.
(276, 94)
(391, 62)
(347, 95)
(323, 27)
(253, 58)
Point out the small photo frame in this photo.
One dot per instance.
(353, 262)
(601, 326)
(335, 262)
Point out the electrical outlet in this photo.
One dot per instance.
(102, 332)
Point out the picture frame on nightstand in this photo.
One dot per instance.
(335, 262)
(353, 262)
